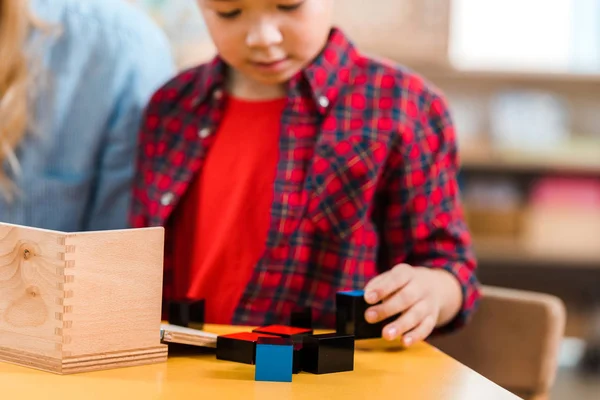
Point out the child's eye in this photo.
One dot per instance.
(230, 14)
(290, 7)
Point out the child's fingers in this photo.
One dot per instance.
(388, 283)
(421, 332)
(407, 321)
(398, 302)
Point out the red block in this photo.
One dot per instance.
(247, 336)
(283, 331)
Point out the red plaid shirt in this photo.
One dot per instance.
(366, 179)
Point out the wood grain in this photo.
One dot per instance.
(31, 270)
(81, 301)
(121, 359)
(117, 286)
(86, 364)
(181, 335)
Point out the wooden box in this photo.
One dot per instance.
(75, 302)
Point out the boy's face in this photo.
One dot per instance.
(268, 41)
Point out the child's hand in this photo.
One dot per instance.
(426, 298)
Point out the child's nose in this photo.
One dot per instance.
(264, 34)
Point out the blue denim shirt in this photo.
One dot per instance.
(99, 64)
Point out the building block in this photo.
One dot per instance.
(350, 316)
(296, 334)
(239, 347)
(274, 359)
(283, 331)
(298, 354)
(328, 353)
(301, 318)
(81, 301)
(187, 313)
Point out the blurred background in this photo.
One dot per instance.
(523, 81)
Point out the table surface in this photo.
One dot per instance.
(421, 372)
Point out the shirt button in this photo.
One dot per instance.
(204, 133)
(167, 199)
(323, 101)
(218, 94)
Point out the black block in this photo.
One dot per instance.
(239, 347)
(327, 354)
(187, 313)
(298, 354)
(350, 316)
(301, 318)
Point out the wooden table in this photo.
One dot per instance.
(421, 372)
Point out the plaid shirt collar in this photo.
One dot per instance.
(325, 76)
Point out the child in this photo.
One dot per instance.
(292, 167)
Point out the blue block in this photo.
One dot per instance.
(354, 293)
(274, 363)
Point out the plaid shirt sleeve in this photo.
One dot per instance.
(423, 217)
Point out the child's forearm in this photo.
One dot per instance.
(450, 293)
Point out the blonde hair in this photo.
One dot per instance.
(15, 22)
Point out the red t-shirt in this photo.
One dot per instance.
(221, 225)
